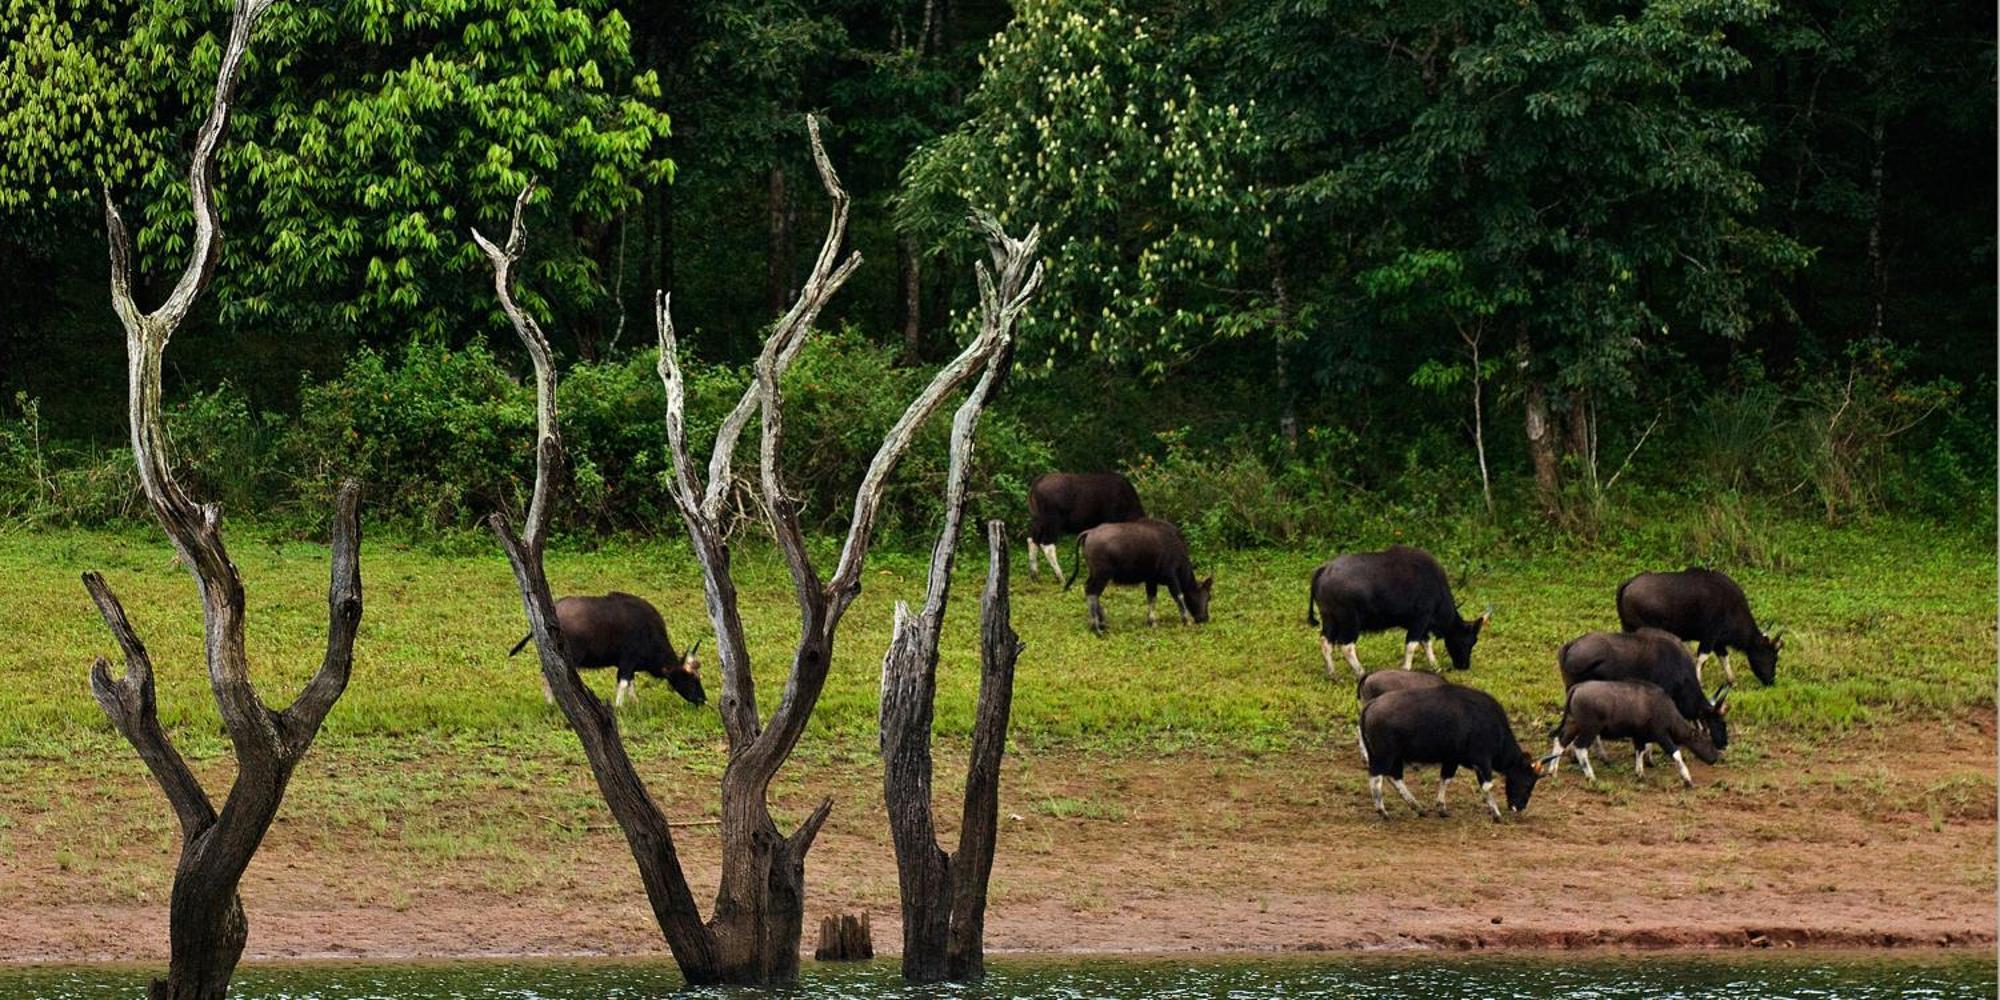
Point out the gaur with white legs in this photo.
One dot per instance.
(1630, 710)
(1062, 503)
(1398, 587)
(1453, 727)
(1151, 552)
(1704, 607)
(624, 631)
(1645, 655)
(1376, 683)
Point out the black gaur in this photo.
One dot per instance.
(1148, 551)
(1630, 710)
(1376, 683)
(1704, 607)
(1644, 655)
(624, 631)
(1398, 587)
(1453, 727)
(1060, 503)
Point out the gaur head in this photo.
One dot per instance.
(1763, 653)
(1458, 641)
(1197, 598)
(685, 676)
(1521, 784)
(1715, 726)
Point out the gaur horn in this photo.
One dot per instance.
(1720, 693)
(691, 651)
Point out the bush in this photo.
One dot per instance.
(48, 483)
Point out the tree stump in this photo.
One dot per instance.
(845, 938)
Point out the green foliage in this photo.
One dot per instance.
(363, 136)
(1083, 125)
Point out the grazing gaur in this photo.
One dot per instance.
(1634, 710)
(1376, 683)
(1148, 551)
(1704, 607)
(1063, 502)
(1645, 655)
(1453, 727)
(624, 631)
(1398, 587)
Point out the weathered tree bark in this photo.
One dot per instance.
(944, 895)
(752, 935)
(1288, 417)
(207, 927)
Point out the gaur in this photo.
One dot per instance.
(1633, 710)
(1061, 503)
(1451, 726)
(1704, 607)
(1148, 551)
(624, 631)
(1645, 655)
(1398, 587)
(1376, 683)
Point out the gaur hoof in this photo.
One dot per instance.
(1444, 814)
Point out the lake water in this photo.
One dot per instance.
(1591, 978)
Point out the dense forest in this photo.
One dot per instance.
(1311, 267)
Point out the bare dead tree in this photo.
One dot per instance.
(752, 936)
(207, 928)
(944, 895)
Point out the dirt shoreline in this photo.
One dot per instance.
(466, 856)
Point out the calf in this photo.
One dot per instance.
(1645, 655)
(1148, 551)
(1633, 710)
(1376, 683)
(1703, 607)
(1063, 502)
(1398, 587)
(624, 631)
(1450, 726)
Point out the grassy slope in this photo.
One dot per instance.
(1893, 619)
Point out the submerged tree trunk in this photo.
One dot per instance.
(752, 935)
(206, 925)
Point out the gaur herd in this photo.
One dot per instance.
(1640, 684)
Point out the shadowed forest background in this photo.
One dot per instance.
(1675, 268)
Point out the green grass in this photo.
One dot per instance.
(1890, 619)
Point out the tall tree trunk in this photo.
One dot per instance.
(206, 925)
(1473, 338)
(1288, 417)
(778, 258)
(1878, 266)
(909, 269)
(944, 895)
(1541, 433)
(752, 935)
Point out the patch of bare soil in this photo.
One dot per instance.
(469, 854)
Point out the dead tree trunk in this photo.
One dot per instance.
(206, 926)
(944, 895)
(752, 935)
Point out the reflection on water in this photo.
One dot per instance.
(1594, 978)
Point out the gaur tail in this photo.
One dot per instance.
(1075, 561)
(1312, 613)
(522, 644)
(1560, 723)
